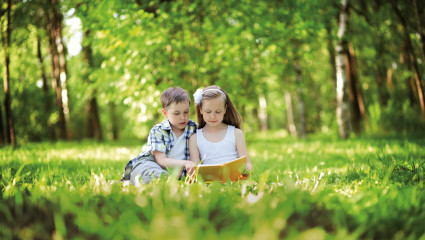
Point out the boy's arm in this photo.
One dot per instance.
(158, 148)
(165, 162)
(241, 147)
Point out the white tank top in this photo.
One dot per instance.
(219, 152)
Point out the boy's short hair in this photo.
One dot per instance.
(174, 95)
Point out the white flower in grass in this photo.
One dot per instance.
(252, 198)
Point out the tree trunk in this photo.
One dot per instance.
(331, 51)
(62, 61)
(94, 128)
(56, 71)
(290, 114)
(2, 139)
(249, 92)
(7, 99)
(412, 57)
(301, 106)
(50, 131)
(93, 120)
(418, 82)
(356, 97)
(41, 66)
(255, 114)
(411, 91)
(114, 121)
(342, 97)
(262, 114)
(359, 95)
(419, 25)
(390, 83)
(383, 92)
(411, 88)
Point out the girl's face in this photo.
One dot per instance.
(213, 111)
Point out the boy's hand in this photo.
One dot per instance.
(191, 171)
(190, 167)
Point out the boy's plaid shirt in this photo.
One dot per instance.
(162, 139)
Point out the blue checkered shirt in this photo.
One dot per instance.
(162, 139)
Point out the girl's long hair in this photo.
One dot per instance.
(232, 116)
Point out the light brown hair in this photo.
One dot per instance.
(174, 95)
(232, 116)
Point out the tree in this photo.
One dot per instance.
(47, 105)
(290, 114)
(7, 99)
(52, 26)
(93, 127)
(356, 97)
(411, 55)
(331, 49)
(301, 106)
(258, 51)
(262, 114)
(2, 139)
(342, 97)
(419, 24)
(61, 51)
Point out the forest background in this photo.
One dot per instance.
(330, 91)
(326, 66)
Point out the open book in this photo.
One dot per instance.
(232, 170)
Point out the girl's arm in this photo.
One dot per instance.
(193, 149)
(241, 147)
(194, 155)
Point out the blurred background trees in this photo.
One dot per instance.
(95, 69)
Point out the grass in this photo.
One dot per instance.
(319, 188)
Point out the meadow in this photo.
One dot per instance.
(318, 188)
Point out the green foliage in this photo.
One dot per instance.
(318, 188)
(250, 48)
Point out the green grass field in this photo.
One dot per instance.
(319, 188)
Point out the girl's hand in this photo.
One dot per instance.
(249, 166)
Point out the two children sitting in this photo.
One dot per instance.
(178, 142)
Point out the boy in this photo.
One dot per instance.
(167, 141)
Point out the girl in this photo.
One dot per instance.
(219, 138)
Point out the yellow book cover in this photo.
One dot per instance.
(232, 170)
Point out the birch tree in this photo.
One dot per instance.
(342, 97)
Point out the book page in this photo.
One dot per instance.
(224, 172)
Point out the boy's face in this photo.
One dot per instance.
(177, 114)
